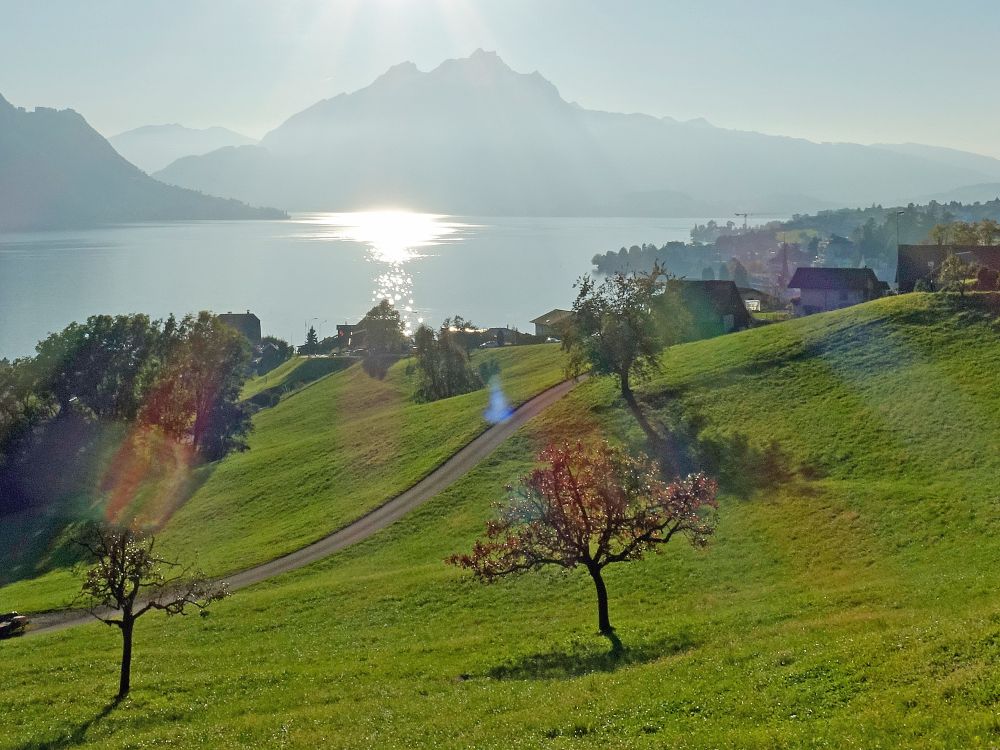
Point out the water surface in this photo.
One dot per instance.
(314, 269)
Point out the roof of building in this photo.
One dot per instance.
(721, 297)
(231, 316)
(552, 317)
(719, 290)
(834, 278)
(246, 323)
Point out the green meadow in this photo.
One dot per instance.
(293, 374)
(848, 598)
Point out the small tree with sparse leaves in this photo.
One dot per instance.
(128, 580)
(590, 507)
(954, 274)
(621, 326)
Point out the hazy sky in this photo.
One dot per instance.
(850, 70)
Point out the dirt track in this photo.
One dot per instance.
(430, 486)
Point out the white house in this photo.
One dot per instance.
(549, 324)
(823, 289)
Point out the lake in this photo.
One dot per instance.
(313, 269)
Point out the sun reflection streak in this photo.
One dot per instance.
(394, 239)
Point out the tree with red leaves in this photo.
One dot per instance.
(590, 506)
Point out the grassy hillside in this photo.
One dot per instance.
(848, 599)
(293, 374)
(321, 458)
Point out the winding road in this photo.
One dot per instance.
(430, 486)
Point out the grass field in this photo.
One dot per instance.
(293, 374)
(318, 460)
(848, 599)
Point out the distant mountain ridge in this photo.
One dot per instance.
(987, 166)
(58, 172)
(153, 147)
(473, 137)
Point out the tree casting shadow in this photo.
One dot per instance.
(741, 464)
(77, 736)
(579, 659)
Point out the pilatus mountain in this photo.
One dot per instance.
(473, 136)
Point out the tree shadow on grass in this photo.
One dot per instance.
(743, 465)
(689, 442)
(75, 736)
(579, 658)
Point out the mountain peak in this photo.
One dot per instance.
(400, 71)
(487, 56)
(479, 63)
(699, 122)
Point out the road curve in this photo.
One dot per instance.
(430, 486)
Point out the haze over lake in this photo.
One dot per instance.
(319, 269)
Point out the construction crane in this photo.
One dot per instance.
(745, 216)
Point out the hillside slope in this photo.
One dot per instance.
(848, 599)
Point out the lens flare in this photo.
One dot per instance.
(147, 478)
(499, 408)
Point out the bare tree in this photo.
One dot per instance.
(128, 580)
(591, 507)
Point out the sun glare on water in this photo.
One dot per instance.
(394, 239)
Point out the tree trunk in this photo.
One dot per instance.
(603, 621)
(126, 670)
(656, 441)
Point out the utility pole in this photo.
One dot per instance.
(744, 215)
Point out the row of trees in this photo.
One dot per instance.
(733, 271)
(691, 261)
(845, 221)
(985, 232)
(181, 378)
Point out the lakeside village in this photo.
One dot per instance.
(774, 272)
